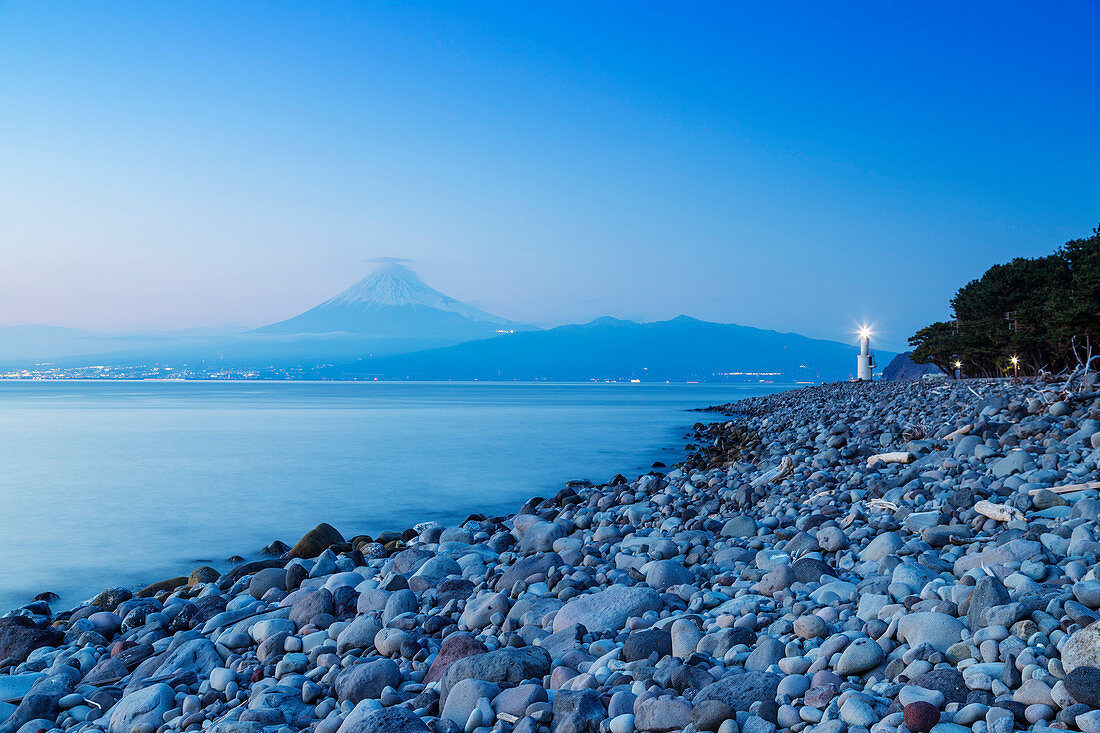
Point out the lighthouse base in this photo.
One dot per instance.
(863, 368)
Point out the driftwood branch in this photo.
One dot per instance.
(777, 474)
(998, 512)
(1083, 368)
(1068, 488)
(894, 457)
(964, 430)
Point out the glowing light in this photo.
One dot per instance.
(864, 332)
(958, 365)
(1015, 360)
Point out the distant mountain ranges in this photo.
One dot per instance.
(679, 349)
(391, 325)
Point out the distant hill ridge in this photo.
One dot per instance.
(682, 348)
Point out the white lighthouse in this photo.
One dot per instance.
(865, 362)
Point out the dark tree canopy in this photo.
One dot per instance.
(1037, 310)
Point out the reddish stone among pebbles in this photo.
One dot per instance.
(920, 716)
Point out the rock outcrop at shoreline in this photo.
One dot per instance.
(877, 557)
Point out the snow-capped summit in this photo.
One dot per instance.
(393, 302)
(393, 284)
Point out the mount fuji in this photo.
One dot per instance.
(394, 303)
(391, 311)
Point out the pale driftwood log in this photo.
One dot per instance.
(777, 474)
(882, 504)
(964, 430)
(998, 512)
(1068, 488)
(894, 457)
(786, 468)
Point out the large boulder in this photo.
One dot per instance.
(265, 580)
(507, 666)
(19, 637)
(663, 574)
(524, 568)
(481, 608)
(316, 541)
(577, 711)
(456, 646)
(862, 655)
(142, 711)
(463, 698)
(287, 700)
(366, 719)
(1018, 461)
(398, 603)
(1083, 684)
(948, 681)
(941, 630)
(644, 642)
(359, 634)
(884, 543)
(310, 604)
(540, 536)
(366, 681)
(1082, 649)
(107, 669)
(987, 593)
(739, 526)
(433, 572)
(739, 691)
(607, 610)
(662, 714)
(1016, 550)
(197, 655)
(40, 701)
(407, 561)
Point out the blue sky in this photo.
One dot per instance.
(797, 166)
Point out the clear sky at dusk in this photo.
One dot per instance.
(790, 166)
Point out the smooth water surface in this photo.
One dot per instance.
(125, 483)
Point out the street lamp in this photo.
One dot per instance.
(1015, 366)
(958, 369)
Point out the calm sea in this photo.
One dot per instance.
(125, 483)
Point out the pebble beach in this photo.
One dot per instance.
(905, 557)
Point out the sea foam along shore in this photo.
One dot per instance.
(783, 578)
